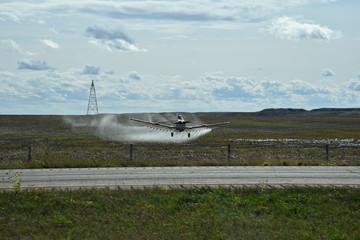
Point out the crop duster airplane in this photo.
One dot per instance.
(179, 125)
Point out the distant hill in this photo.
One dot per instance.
(286, 111)
(336, 110)
(280, 111)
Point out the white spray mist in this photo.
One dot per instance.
(108, 127)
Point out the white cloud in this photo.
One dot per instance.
(40, 21)
(215, 35)
(291, 29)
(117, 44)
(114, 39)
(11, 45)
(354, 84)
(26, 64)
(104, 33)
(209, 93)
(53, 30)
(49, 43)
(267, 93)
(234, 87)
(91, 70)
(193, 11)
(134, 76)
(6, 74)
(303, 88)
(11, 15)
(181, 10)
(327, 73)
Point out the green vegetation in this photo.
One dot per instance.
(197, 213)
(254, 139)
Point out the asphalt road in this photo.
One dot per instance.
(72, 178)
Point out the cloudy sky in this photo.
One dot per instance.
(175, 56)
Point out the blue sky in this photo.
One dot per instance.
(178, 56)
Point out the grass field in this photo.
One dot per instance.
(255, 139)
(198, 213)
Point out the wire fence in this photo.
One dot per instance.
(258, 151)
(234, 152)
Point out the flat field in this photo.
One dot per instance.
(259, 212)
(263, 138)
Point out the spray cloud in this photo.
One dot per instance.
(108, 127)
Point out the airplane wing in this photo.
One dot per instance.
(208, 125)
(153, 123)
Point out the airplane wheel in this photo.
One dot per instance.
(172, 134)
(188, 134)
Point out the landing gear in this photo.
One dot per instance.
(172, 134)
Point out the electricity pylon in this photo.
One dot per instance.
(92, 105)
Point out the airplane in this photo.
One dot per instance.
(179, 125)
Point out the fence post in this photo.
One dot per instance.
(327, 151)
(29, 153)
(131, 150)
(229, 152)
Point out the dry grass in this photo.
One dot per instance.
(254, 140)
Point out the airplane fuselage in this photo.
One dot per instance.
(180, 126)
